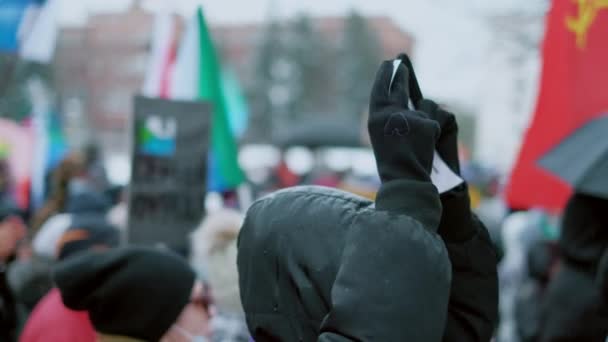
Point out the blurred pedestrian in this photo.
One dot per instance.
(541, 261)
(44, 243)
(573, 308)
(12, 231)
(86, 200)
(71, 167)
(119, 213)
(5, 177)
(30, 278)
(520, 231)
(95, 169)
(214, 257)
(136, 294)
(50, 320)
(82, 204)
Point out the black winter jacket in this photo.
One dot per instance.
(318, 264)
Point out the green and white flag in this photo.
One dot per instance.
(197, 75)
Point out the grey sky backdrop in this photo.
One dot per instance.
(452, 37)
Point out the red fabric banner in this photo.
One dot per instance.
(573, 90)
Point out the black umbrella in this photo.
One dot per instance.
(335, 132)
(582, 158)
(316, 134)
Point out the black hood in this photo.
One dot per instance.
(584, 234)
(317, 263)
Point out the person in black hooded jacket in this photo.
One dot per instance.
(574, 306)
(317, 264)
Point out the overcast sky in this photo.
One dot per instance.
(451, 36)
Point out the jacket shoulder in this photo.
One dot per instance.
(316, 195)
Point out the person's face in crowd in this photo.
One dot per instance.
(193, 323)
(12, 230)
(4, 175)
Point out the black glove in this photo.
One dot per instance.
(447, 145)
(403, 140)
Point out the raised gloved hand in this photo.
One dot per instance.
(473, 306)
(403, 140)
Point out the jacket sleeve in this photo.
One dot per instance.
(394, 277)
(473, 304)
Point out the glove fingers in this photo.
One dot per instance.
(446, 120)
(384, 93)
(415, 94)
(428, 107)
(447, 145)
(379, 95)
(398, 93)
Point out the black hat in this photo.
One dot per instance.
(584, 234)
(136, 292)
(85, 232)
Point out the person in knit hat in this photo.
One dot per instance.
(50, 320)
(135, 294)
(88, 231)
(62, 235)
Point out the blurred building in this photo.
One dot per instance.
(100, 66)
(239, 42)
(510, 86)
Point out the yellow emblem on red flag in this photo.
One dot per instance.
(587, 13)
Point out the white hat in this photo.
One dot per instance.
(214, 254)
(45, 242)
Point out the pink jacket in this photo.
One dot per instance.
(51, 321)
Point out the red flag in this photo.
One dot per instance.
(573, 90)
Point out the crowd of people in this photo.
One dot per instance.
(68, 275)
(309, 263)
(555, 289)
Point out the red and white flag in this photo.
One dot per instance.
(162, 56)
